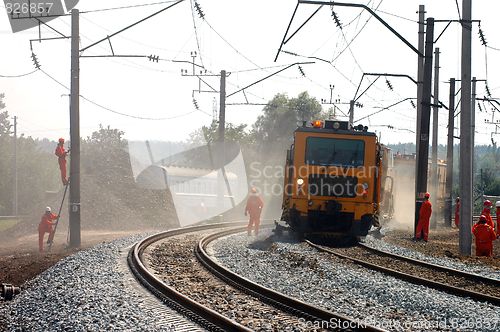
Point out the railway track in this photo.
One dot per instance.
(452, 281)
(211, 319)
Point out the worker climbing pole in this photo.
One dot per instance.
(61, 154)
(53, 232)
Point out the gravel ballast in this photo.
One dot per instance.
(88, 291)
(173, 260)
(453, 263)
(297, 270)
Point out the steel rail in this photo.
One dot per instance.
(413, 279)
(207, 318)
(458, 273)
(272, 297)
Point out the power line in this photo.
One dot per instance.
(196, 29)
(125, 7)
(357, 34)
(398, 16)
(229, 44)
(458, 9)
(120, 113)
(19, 75)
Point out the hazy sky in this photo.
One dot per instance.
(241, 37)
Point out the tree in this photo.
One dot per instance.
(37, 170)
(273, 130)
(210, 134)
(5, 125)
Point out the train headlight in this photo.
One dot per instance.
(300, 181)
(336, 125)
(317, 124)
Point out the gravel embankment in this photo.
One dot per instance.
(453, 263)
(88, 291)
(300, 271)
(174, 261)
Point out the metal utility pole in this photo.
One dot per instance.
(473, 122)
(423, 151)
(351, 113)
(222, 149)
(74, 115)
(15, 210)
(449, 156)
(222, 113)
(466, 138)
(420, 80)
(435, 119)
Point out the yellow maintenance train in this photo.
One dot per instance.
(333, 179)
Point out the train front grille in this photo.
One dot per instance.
(332, 185)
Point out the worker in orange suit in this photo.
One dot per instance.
(497, 205)
(45, 226)
(457, 212)
(424, 217)
(61, 154)
(487, 213)
(485, 235)
(254, 208)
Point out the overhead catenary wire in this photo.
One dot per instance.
(196, 32)
(125, 7)
(356, 35)
(121, 113)
(19, 75)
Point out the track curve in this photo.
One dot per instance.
(414, 278)
(207, 318)
(277, 299)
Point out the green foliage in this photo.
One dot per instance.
(278, 121)
(280, 118)
(5, 125)
(37, 170)
(210, 134)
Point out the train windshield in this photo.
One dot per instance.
(335, 152)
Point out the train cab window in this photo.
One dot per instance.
(334, 152)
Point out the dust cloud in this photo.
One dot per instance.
(404, 202)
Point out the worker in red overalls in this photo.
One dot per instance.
(457, 212)
(485, 235)
(487, 213)
(254, 208)
(497, 205)
(424, 217)
(45, 226)
(61, 154)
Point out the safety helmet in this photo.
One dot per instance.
(497, 204)
(482, 218)
(48, 209)
(61, 140)
(488, 203)
(457, 199)
(427, 195)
